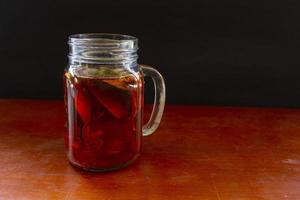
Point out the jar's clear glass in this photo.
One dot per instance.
(104, 95)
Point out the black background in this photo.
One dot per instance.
(210, 52)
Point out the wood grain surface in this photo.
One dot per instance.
(207, 153)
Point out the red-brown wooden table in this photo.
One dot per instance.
(207, 153)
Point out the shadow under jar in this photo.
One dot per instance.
(104, 97)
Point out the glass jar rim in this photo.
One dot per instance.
(101, 36)
(104, 40)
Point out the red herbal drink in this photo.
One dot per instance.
(104, 114)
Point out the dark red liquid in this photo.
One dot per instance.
(104, 121)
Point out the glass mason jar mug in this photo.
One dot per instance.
(104, 98)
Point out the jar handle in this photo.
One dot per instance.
(159, 99)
